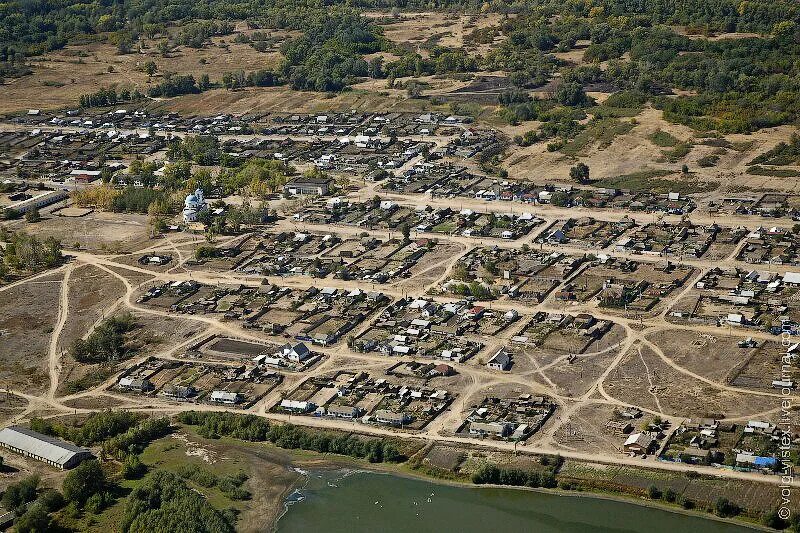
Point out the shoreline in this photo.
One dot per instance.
(328, 464)
(288, 492)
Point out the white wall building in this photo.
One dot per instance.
(194, 204)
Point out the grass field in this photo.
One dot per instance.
(656, 181)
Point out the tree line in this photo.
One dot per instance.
(252, 428)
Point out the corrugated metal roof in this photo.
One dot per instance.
(44, 446)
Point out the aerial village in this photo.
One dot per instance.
(426, 263)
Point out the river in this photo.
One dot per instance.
(354, 501)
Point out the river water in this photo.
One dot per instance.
(355, 501)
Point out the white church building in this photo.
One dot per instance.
(194, 204)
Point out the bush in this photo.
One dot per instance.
(231, 486)
(708, 161)
(781, 154)
(626, 99)
(97, 502)
(772, 520)
(663, 139)
(33, 216)
(201, 476)
(71, 511)
(725, 508)
(653, 492)
(133, 467)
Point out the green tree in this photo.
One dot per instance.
(725, 508)
(479, 291)
(150, 67)
(35, 520)
(406, 229)
(559, 199)
(84, 481)
(97, 502)
(772, 520)
(163, 502)
(579, 173)
(571, 94)
(20, 493)
(176, 175)
(204, 83)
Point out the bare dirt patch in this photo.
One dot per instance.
(91, 292)
(585, 431)
(715, 357)
(633, 152)
(96, 232)
(93, 402)
(641, 379)
(28, 314)
(417, 31)
(285, 100)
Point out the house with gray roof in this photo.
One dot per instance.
(390, 418)
(500, 360)
(343, 411)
